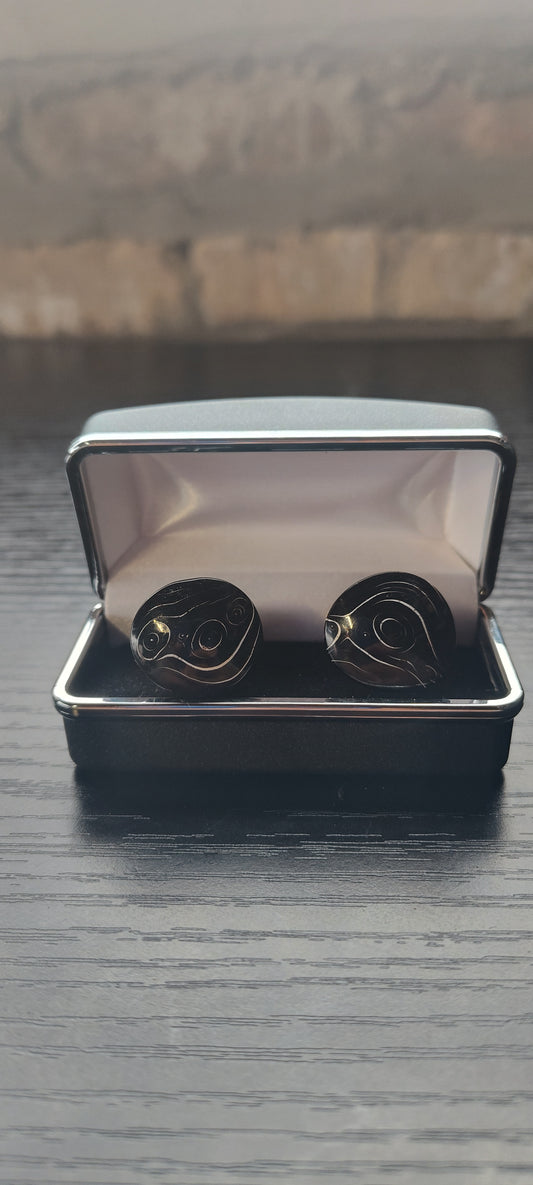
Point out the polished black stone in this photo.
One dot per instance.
(391, 630)
(196, 635)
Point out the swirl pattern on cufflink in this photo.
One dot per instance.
(391, 630)
(196, 634)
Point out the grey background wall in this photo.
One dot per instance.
(235, 169)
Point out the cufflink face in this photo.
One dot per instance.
(391, 630)
(195, 635)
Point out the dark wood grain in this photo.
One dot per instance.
(213, 984)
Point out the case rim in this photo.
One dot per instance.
(502, 707)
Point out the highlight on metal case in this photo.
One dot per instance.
(195, 635)
(391, 630)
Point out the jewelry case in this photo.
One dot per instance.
(293, 501)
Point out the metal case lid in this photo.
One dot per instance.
(294, 424)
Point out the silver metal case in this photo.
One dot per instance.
(295, 712)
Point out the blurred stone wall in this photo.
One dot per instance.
(350, 185)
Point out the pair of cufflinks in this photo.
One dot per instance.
(390, 630)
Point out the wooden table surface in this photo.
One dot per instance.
(207, 985)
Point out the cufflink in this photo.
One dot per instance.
(195, 635)
(391, 630)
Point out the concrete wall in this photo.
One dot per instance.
(235, 169)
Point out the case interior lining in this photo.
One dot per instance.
(282, 669)
(292, 529)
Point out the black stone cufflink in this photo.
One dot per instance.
(196, 635)
(391, 630)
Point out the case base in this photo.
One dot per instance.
(294, 712)
(325, 746)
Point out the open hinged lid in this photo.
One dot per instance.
(293, 500)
